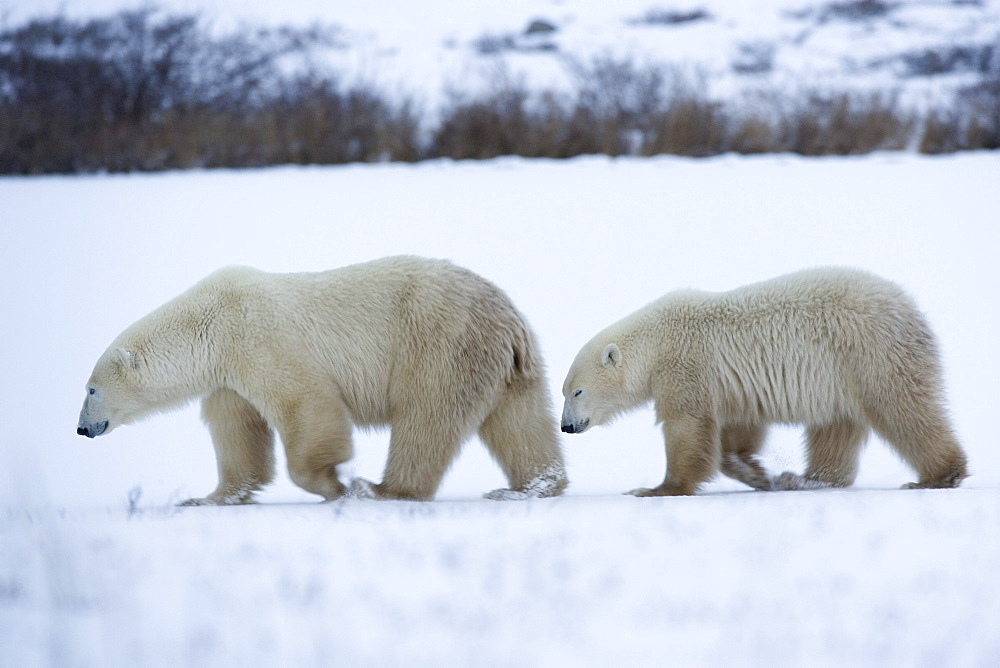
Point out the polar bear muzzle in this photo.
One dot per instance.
(575, 428)
(93, 429)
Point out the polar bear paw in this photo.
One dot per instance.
(223, 501)
(360, 488)
(664, 490)
(550, 482)
(506, 494)
(197, 502)
(788, 481)
(235, 496)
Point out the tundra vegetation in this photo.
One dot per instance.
(142, 90)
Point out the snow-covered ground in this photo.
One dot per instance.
(97, 567)
(922, 49)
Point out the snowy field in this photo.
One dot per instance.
(98, 568)
(922, 49)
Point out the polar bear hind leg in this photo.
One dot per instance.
(924, 439)
(421, 448)
(832, 452)
(904, 405)
(520, 435)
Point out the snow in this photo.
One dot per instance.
(98, 567)
(580, 580)
(424, 50)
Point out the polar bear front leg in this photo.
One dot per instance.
(316, 431)
(244, 449)
(740, 445)
(693, 454)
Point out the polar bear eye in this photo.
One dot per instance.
(91, 391)
(578, 393)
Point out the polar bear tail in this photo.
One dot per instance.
(525, 357)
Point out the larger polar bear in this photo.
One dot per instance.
(431, 349)
(839, 350)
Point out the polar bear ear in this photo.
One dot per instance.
(611, 355)
(125, 357)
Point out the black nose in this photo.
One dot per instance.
(83, 431)
(568, 428)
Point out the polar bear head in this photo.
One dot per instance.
(148, 369)
(114, 393)
(595, 387)
(165, 359)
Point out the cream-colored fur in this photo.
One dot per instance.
(838, 350)
(430, 349)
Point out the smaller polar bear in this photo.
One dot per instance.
(839, 350)
(430, 349)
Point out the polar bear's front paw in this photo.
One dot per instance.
(664, 490)
(198, 502)
(789, 481)
(234, 496)
(361, 489)
(232, 500)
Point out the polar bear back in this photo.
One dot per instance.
(372, 329)
(807, 347)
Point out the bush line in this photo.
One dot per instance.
(140, 91)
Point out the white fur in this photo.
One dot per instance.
(831, 348)
(431, 349)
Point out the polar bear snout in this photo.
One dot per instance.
(575, 427)
(92, 430)
(572, 420)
